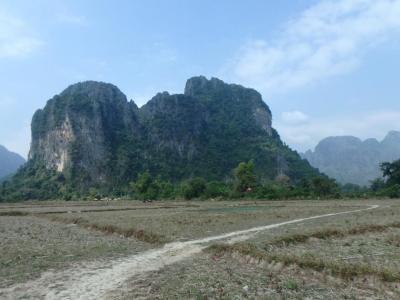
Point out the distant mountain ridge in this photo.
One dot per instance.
(9, 162)
(348, 159)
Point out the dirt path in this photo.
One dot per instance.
(95, 280)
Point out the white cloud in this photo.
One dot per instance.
(327, 39)
(294, 117)
(305, 136)
(72, 19)
(16, 40)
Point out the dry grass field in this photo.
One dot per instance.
(158, 251)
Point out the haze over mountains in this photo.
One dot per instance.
(9, 162)
(351, 160)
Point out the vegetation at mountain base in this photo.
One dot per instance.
(243, 182)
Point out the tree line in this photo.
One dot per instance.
(243, 183)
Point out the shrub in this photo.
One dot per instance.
(193, 188)
(216, 189)
(245, 177)
(392, 191)
(145, 187)
(324, 186)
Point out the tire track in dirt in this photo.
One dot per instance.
(95, 280)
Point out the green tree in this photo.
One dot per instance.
(143, 186)
(245, 177)
(392, 191)
(193, 188)
(305, 186)
(391, 171)
(269, 190)
(165, 189)
(216, 189)
(94, 194)
(377, 184)
(324, 187)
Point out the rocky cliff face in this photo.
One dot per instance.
(9, 162)
(351, 160)
(232, 98)
(206, 129)
(174, 123)
(92, 135)
(79, 131)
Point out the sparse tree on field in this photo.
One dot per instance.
(142, 185)
(245, 177)
(377, 184)
(324, 186)
(391, 171)
(193, 188)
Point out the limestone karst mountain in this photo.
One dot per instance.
(9, 162)
(351, 160)
(90, 135)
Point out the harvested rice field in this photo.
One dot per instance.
(338, 249)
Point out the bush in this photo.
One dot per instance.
(391, 171)
(165, 189)
(377, 184)
(145, 188)
(245, 177)
(353, 190)
(193, 188)
(216, 189)
(325, 187)
(392, 191)
(268, 191)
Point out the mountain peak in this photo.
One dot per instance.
(199, 85)
(392, 136)
(337, 143)
(88, 86)
(95, 90)
(9, 162)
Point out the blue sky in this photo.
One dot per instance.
(325, 67)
